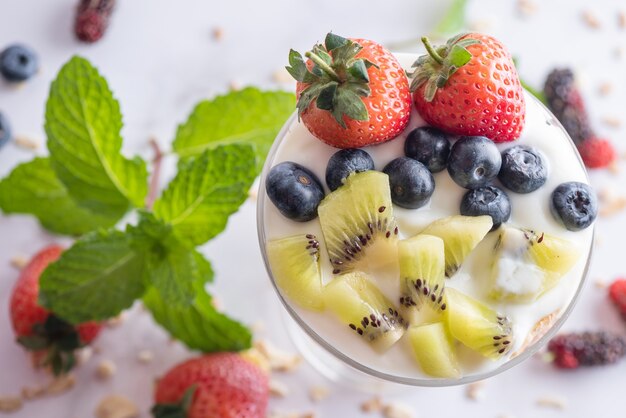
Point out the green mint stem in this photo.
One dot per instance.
(322, 64)
(431, 51)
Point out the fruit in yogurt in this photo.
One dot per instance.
(470, 86)
(295, 262)
(422, 278)
(477, 326)
(434, 349)
(575, 205)
(357, 221)
(474, 161)
(359, 304)
(351, 92)
(487, 200)
(460, 234)
(523, 170)
(430, 146)
(411, 183)
(295, 191)
(528, 264)
(345, 162)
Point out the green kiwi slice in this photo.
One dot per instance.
(460, 234)
(422, 277)
(433, 348)
(477, 326)
(356, 217)
(359, 304)
(296, 268)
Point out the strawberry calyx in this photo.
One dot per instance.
(58, 339)
(435, 68)
(337, 81)
(179, 409)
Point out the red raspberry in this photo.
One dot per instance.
(617, 294)
(92, 19)
(597, 152)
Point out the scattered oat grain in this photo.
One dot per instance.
(281, 414)
(217, 303)
(33, 392)
(116, 321)
(19, 261)
(234, 85)
(610, 202)
(257, 327)
(278, 389)
(218, 33)
(279, 360)
(282, 76)
(372, 405)
(590, 20)
(397, 410)
(61, 384)
(600, 283)
(105, 370)
(621, 19)
(618, 52)
(526, 8)
(26, 142)
(318, 393)
(84, 355)
(255, 356)
(253, 193)
(551, 402)
(614, 168)
(475, 391)
(605, 89)
(612, 121)
(480, 25)
(145, 356)
(10, 403)
(116, 406)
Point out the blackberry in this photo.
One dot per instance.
(566, 102)
(92, 19)
(586, 349)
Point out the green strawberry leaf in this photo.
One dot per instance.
(206, 191)
(95, 279)
(453, 20)
(83, 123)
(199, 326)
(33, 188)
(248, 116)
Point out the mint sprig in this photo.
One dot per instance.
(88, 185)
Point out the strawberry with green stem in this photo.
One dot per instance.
(469, 86)
(52, 340)
(351, 92)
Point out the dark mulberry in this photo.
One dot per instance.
(586, 349)
(92, 19)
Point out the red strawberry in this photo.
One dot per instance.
(597, 152)
(351, 92)
(223, 385)
(617, 294)
(52, 340)
(470, 86)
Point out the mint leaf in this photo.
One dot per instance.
(95, 279)
(199, 326)
(453, 20)
(83, 123)
(206, 191)
(171, 267)
(33, 188)
(249, 115)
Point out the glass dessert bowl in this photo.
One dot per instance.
(409, 330)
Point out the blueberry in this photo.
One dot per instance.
(345, 162)
(295, 191)
(488, 200)
(5, 130)
(523, 169)
(474, 161)
(575, 205)
(429, 146)
(411, 183)
(18, 63)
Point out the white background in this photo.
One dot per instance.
(160, 58)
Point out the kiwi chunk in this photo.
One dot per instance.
(296, 268)
(477, 326)
(528, 264)
(422, 277)
(460, 234)
(357, 217)
(359, 304)
(433, 348)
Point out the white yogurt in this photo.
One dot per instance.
(528, 211)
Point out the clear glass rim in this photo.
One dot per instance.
(418, 382)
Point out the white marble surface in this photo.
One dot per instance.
(160, 58)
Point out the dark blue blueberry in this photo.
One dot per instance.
(429, 146)
(411, 183)
(575, 205)
(5, 130)
(18, 63)
(523, 169)
(474, 161)
(488, 200)
(295, 191)
(345, 162)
